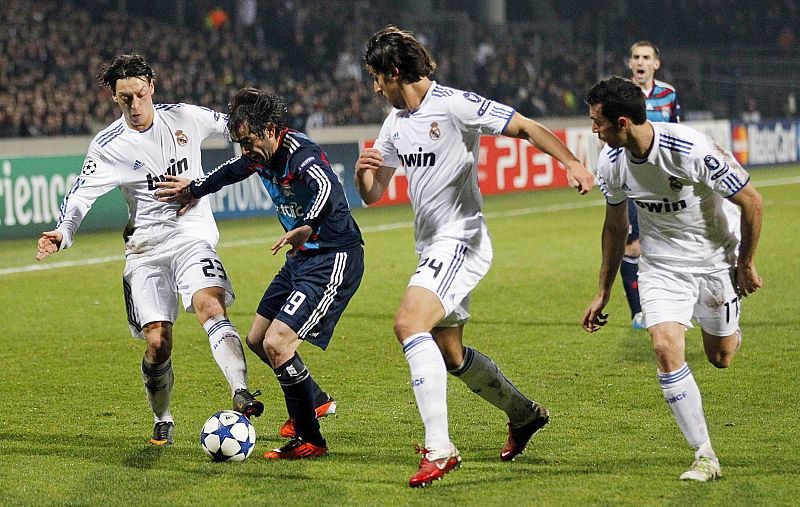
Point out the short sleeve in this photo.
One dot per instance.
(210, 123)
(612, 191)
(477, 113)
(386, 147)
(719, 169)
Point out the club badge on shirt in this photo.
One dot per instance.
(181, 137)
(435, 133)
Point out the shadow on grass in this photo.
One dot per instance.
(147, 457)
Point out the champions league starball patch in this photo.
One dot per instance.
(181, 137)
(88, 167)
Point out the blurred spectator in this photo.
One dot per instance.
(308, 55)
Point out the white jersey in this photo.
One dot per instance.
(680, 190)
(438, 145)
(135, 161)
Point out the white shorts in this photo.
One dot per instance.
(670, 296)
(153, 281)
(451, 269)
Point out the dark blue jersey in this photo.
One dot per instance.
(303, 188)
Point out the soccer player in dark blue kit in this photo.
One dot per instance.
(323, 268)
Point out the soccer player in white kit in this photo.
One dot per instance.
(699, 223)
(433, 133)
(165, 254)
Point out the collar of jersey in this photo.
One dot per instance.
(424, 99)
(127, 127)
(651, 157)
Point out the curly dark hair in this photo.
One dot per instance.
(122, 67)
(253, 109)
(392, 47)
(619, 97)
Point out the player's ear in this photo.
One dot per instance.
(395, 73)
(656, 64)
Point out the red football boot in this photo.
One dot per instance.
(434, 469)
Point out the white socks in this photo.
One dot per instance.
(226, 347)
(485, 379)
(683, 397)
(429, 380)
(158, 381)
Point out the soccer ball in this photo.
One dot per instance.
(228, 436)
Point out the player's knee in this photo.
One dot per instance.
(404, 327)
(159, 341)
(208, 303)
(721, 359)
(256, 344)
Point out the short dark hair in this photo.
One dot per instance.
(619, 97)
(123, 67)
(392, 47)
(255, 109)
(648, 44)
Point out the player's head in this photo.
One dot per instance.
(394, 57)
(256, 119)
(644, 62)
(131, 81)
(616, 105)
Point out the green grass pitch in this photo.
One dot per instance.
(74, 422)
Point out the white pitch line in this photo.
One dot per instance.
(375, 228)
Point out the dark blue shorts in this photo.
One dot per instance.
(310, 292)
(633, 220)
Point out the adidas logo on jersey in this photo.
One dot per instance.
(138, 165)
(661, 207)
(174, 169)
(418, 159)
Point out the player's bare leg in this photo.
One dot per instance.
(720, 350)
(420, 309)
(683, 398)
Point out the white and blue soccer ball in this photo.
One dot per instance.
(228, 436)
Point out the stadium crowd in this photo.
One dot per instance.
(50, 52)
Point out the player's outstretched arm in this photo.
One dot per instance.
(751, 205)
(540, 136)
(372, 177)
(49, 243)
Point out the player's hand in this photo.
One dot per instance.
(369, 159)
(48, 244)
(747, 280)
(593, 318)
(296, 238)
(174, 189)
(579, 177)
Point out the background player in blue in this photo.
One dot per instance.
(661, 101)
(323, 268)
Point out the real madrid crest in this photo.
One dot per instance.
(181, 137)
(675, 184)
(435, 133)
